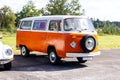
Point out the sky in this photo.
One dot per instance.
(101, 9)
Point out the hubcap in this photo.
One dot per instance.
(23, 51)
(52, 57)
(90, 43)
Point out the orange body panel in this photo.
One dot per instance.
(40, 41)
(58, 41)
(76, 38)
(34, 41)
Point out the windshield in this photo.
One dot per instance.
(78, 24)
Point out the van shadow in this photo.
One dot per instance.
(41, 63)
(1, 68)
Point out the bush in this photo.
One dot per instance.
(109, 29)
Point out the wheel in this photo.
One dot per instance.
(80, 60)
(53, 58)
(8, 66)
(88, 43)
(24, 51)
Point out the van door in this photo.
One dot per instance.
(38, 35)
(56, 37)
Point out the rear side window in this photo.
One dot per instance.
(39, 25)
(26, 25)
(55, 25)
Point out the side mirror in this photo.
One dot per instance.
(1, 36)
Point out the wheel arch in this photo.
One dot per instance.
(23, 45)
(50, 47)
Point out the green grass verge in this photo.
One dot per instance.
(105, 42)
(109, 42)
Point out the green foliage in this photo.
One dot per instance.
(29, 10)
(7, 19)
(74, 7)
(98, 23)
(111, 29)
(107, 27)
(62, 7)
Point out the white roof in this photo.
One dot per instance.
(53, 17)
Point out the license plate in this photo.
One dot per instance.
(87, 58)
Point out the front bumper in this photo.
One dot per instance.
(5, 61)
(91, 54)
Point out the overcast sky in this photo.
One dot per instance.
(102, 9)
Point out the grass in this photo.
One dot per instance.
(105, 42)
(109, 42)
(11, 41)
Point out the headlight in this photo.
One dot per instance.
(8, 52)
(88, 43)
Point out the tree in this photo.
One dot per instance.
(7, 19)
(62, 7)
(74, 7)
(110, 28)
(29, 10)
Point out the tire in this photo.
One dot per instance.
(8, 66)
(86, 43)
(53, 58)
(80, 60)
(24, 51)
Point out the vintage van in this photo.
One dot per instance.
(59, 36)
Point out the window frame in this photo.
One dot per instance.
(57, 20)
(40, 22)
(21, 22)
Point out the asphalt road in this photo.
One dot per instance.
(36, 67)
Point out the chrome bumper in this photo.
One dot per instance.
(4, 61)
(91, 54)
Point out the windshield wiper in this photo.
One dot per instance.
(84, 29)
(69, 29)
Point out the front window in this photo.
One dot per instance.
(78, 24)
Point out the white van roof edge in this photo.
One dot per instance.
(53, 16)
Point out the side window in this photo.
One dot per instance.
(55, 25)
(26, 25)
(39, 25)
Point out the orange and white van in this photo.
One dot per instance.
(58, 36)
